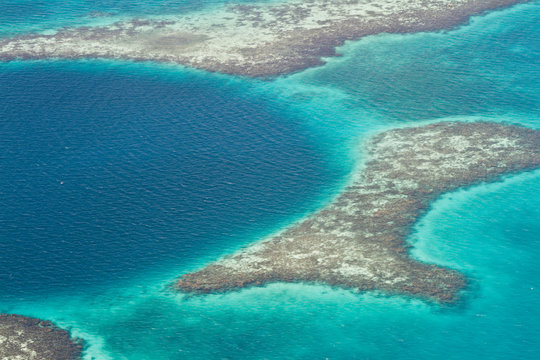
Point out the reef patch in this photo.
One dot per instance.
(257, 40)
(359, 240)
(25, 338)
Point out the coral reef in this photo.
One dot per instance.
(258, 40)
(24, 338)
(359, 240)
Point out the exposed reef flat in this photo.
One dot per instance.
(252, 40)
(359, 240)
(24, 338)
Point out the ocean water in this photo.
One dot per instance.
(116, 177)
(20, 16)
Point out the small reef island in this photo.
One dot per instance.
(258, 40)
(24, 338)
(359, 240)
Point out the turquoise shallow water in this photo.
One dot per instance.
(19, 16)
(93, 235)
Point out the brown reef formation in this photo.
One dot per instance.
(24, 338)
(252, 40)
(359, 240)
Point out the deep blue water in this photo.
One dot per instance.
(115, 178)
(105, 172)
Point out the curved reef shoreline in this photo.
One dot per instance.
(258, 40)
(359, 240)
(29, 338)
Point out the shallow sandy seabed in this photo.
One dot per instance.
(253, 40)
(24, 338)
(359, 240)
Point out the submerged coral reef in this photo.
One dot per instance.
(30, 338)
(359, 240)
(265, 39)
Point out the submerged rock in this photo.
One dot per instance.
(359, 240)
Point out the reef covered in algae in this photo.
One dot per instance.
(359, 240)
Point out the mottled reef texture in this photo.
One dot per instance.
(359, 240)
(24, 338)
(258, 40)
